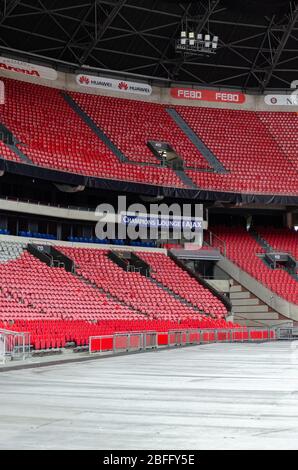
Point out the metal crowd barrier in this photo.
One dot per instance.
(14, 345)
(285, 333)
(140, 341)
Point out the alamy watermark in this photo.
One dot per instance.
(159, 221)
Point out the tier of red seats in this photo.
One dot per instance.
(53, 135)
(46, 334)
(54, 303)
(257, 149)
(281, 239)
(56, 307)
(131, 124)
(246, 148)
(7, 153)
(53, 293)
(242, 249)
(283, 128)
(130, 287)
(166, 271)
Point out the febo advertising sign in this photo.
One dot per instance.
(112, 84)
(234, 97)
(24, 68)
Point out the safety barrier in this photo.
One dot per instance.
(285, 333)
(142, 340)
(14, 345)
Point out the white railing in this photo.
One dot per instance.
(14, 345)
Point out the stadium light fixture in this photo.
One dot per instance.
(190, 42)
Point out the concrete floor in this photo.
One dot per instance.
(218, 396)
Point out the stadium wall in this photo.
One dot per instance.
(67, 82)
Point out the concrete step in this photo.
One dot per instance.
(256, 316)
(240, 295)
(250, 308)
(219, 284)
(252, 301)
(236, 288)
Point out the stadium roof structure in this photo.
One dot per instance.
(257, 48)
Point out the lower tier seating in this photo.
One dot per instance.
(243, 250)
(53, 293)
(57, 307)
(281, 239)
(49, 334)
(61, 309)
(139, 292)
(165, 270)
(258, 150)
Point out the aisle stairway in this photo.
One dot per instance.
(249, 310)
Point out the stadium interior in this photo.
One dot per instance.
(70, 141)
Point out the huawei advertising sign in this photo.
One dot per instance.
(234, 97)
(24, 68)
(113, 84)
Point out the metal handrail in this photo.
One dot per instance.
(182, 337)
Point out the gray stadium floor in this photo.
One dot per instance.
(238, 396)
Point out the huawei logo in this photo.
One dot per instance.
(84, 80)
(123, 86)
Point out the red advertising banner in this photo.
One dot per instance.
(208, 95)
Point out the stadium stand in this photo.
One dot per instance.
(283, 128)
(130, 125)
(50, 334)
(54, 293)
(180, 282)
(239, 139)
(243, 249)
(7, 153)
(132, 287)
(65, 142)
(281, 239)
(59, 307)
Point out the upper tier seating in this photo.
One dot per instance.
(5, 151)
(130, 125)
(53, 135)
(246, 148)
(281, 239)
(257, 149)
(283, 127)
(179, 281)
(242, 249)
